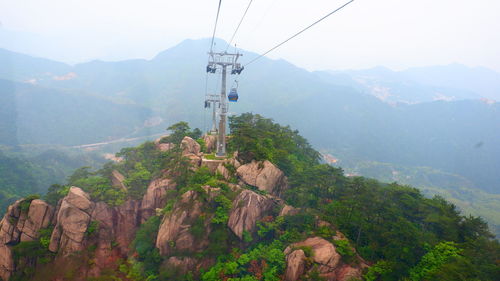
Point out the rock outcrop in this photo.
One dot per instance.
(219, 166)
(165, 146)
(288, 210)
(155, 197)
(103, 233)
(118, 225)
(9, 234)
(323, 252)
(325, 256)
(117, 180)
(212, 164)
(181, 264)
(248, 208)
(190, 146)
(222, 170)
(127, 220)
(295, 265)
(263, 175)
(113, 233)
(18, 226)
(174, 234)
(210, 143)
(191, 150)
(104, 254)
(39, 216)
(73, 218)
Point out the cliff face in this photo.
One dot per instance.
(75, 213)
(187, 232)
(324, 258)
(265, 176)
(20, 226)
(248, 208)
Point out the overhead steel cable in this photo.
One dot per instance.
(211, 49)
(298, 33)
(239, 24)
(215, 27)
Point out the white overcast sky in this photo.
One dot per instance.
(393, 33)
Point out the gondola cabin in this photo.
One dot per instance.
(233, 95)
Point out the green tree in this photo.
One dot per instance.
(137, 181)
(434, 259)
(179, 130)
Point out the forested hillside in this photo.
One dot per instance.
(455, 137)
(32, 116)
(22, 174)
(459, 137)
(272, 212)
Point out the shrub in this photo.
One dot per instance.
(222, 210)
(198, 227)
(92, 228)
(344, 249)
(24, 206)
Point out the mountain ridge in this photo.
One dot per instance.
(166, 211)
(336, 114)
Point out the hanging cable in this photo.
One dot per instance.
(298, 33)
(239, 24)
(215, 27)
(211, 49)
(261, 19)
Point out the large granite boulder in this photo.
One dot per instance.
(174, 234)
(117, 180)
(39, 216)
(73, 218)
(126, 223)
(263, 175)
(155, 197)
(324, 255)
(212, 164)
(19, 226)
(190, 146)
(295, 265)
(288, 210)
(9, 235)
(105, 237)
(248, 208)
(323, 252)
(210, 143)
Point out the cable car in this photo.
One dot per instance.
(233, 95)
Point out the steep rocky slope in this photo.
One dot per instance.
(170, 210)
(88, 237)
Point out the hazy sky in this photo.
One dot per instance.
(393, 33)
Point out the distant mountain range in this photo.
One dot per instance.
(443, 117)
(424, 84)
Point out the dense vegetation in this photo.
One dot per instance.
(389, 224)
(401, 233)
(15, 174)
(259, 138)
(179, 131)
(458, 137)
(454, 188)
(23, 173)
(139, 166)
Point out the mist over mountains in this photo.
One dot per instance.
(423, 84)
(442, 117)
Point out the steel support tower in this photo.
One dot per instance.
(213, 100)
(223, 60)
